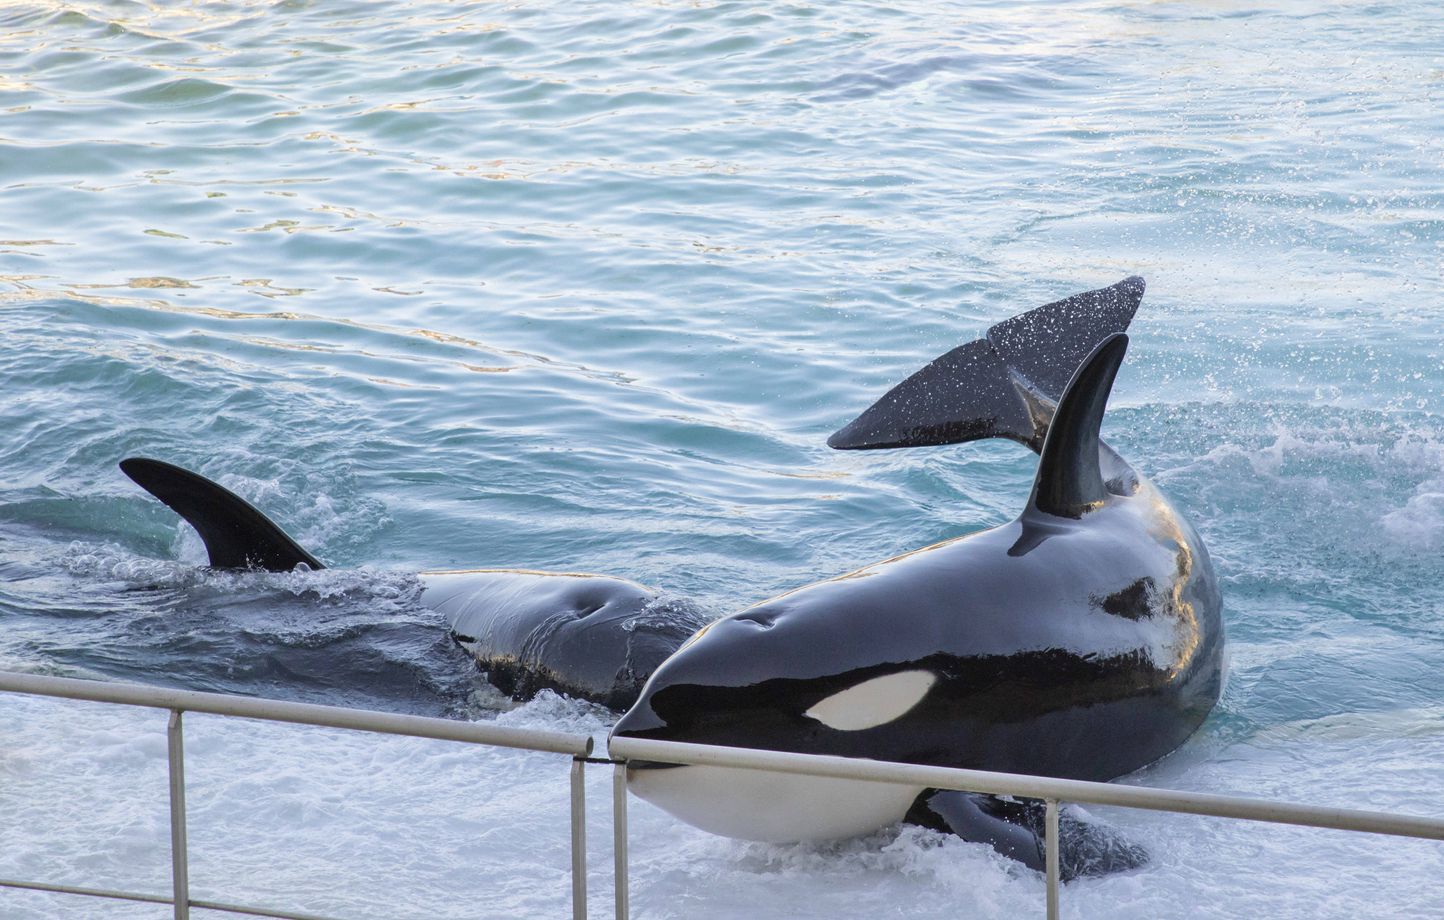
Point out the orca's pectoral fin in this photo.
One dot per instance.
(1014, 827)
(236, 535)
(977, 818)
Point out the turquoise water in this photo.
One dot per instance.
(585, 286)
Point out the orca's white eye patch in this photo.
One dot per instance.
(873, 702)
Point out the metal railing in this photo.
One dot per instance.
(1051, 791)
(578, 747)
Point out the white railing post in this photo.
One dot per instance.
(619, 839)
(179, 863)
(579, 839)
(1050, 844)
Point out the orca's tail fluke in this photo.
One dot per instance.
(236, 535)
(1005, 385)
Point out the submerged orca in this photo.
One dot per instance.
(1082, 640)
(594, 637)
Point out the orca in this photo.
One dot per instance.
(1082, 640)
(593, 637)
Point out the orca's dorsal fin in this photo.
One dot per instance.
(1001, 386)
(236, 535)
(1069, 482)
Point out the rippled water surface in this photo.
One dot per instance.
(585, 286)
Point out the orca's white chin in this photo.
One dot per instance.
(771, 807)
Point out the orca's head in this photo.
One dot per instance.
(785, 677)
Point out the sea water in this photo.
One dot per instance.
(585, 286)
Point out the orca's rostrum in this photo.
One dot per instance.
(1082, 640)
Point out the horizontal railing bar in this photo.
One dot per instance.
(254, 911)
(245, 707)
(160, 899)
(1036, 787)
(88, 892)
